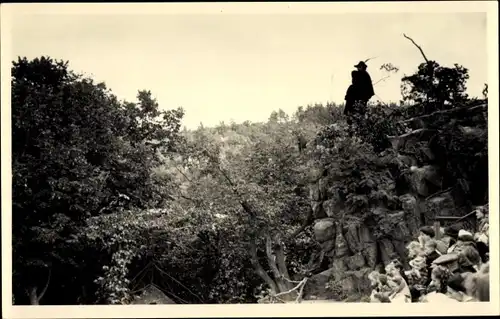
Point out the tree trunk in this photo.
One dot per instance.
(34, 300)
(33, 291)
(283, 285)
(260, 271)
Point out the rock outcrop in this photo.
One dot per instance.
(394, 194)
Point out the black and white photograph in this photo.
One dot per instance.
(176, 155)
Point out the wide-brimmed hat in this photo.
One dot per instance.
(452, 231)
(361, 64)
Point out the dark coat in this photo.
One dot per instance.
(361, 88)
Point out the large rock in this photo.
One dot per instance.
(387, 251)
(316, 286)
(322, 187)
(333, 209)
(338, 267)
(341, 246)
(328, 247)
(358, 238)
(355, 262)
(318, 210)
(412, 211)
(404, 161)
(314, 194)
(401, 231)
(472, 132)
(355, 282)
(371, 255)
(410, 139)
(324, 230)
(443, 205)
(427, 154)
(424, 179)
(314, 173)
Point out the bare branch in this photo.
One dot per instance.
(301, 283)
(418, 47)
(182, 173)
(382, 79)
(301, 292)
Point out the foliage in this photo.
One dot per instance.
(436, 85)
(102, 188)
(77, 152)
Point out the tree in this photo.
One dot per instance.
(246, 180)
(434, 84)
(77, 153)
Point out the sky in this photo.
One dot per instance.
(243, 66)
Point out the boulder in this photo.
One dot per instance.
(443, 205)
(427, 154)
(324, 230)
(318, 211)
(317, 286)
(314, 173)
(411, 208)
(338, 268)
(358, 238)
(341, 246)
(412, 138)
(314, 194)
(404, 161)
(387, 250)
(423, 179)
(355, 262)
(333, 209)
(322, 187)
(355, 282)
(328, 246)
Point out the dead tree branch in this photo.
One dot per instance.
(301, 291)
(418, 47)
(382, 79)
(301, 283)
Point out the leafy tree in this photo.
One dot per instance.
(77, 152)
(436, 84)
(248, 177)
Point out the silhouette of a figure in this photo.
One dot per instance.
(360, 90)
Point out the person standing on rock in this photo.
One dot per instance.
(360, 91)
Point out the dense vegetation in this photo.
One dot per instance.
(104, 189)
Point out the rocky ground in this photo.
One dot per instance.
(399, 192)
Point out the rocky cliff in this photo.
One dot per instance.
(366, 211)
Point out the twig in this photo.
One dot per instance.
(302, 282)
(382, 79)
(439, 193)
(418, 47)
(299, 297)
(464, 217)
(291, 281)
(163, 272)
